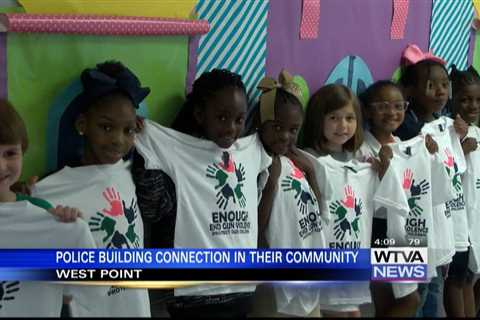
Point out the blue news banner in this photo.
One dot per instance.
(393, 264)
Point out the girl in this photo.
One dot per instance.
(331, 125)
(289, 216)
(333, 136)
(458, 295)
(100, 182)
(215, 174)
(384, 108)
(426, 86)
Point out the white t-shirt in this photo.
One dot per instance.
(455, 215)
(420, 177)
(370, 149)
(105, 194)
(471, 185)
(347, 190)
(26, 226)
(217, 199)
(295, 222)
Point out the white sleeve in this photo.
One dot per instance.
(390, 193)
(157, 147)
(442, 190)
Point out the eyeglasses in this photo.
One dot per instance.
(382, 106)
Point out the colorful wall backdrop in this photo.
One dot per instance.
(347, 27)
(49, 63)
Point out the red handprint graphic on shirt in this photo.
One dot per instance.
(450, 160)
(349, 200)
(296, 172)
(407, 179)
(113, 198)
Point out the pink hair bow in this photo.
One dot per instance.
(413, 54)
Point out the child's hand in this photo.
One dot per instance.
(461, 127)
(431, 144)
(140, 124)
(65, 214)
(24, 187)
(469, 145)
(300, 160)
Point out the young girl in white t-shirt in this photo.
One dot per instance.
(99, 182)
(458, 293)
(333, 129)
(384, 108)
(289, 214)
(215, 173)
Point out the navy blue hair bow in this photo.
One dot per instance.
(97, 84)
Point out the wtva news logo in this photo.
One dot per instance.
(399, 264)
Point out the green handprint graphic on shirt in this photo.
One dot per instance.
(214, 172)
(117, 222)
(292, 183)
(343, 222)
(230, 178)
(102, 223)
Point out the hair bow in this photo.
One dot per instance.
(413, 54)
(269, 87)
(96, 84)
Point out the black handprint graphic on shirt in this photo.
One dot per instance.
(341, 229)
(131, 215)
(240, 173)
(7, 289)
(358, 213)
(130, 212)
(224, 195)
(118, 241)
(416, 191)
(303, 201)
(419, 189)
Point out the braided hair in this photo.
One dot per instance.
(204, 88)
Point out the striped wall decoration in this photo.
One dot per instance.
(450, 31)
(237, 40)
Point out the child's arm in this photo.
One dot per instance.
(304, 164)
(381, 165)
(266, 202)
(431, 144)
(461, 127)
(469, 144)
